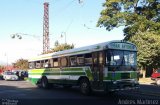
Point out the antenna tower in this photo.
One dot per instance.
(46, 43)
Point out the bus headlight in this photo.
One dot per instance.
(136, 82)
(115, 82)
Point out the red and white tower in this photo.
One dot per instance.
(46, 43)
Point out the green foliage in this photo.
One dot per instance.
(61, 47)
(148, 45)
(1, 67)
(21, 64)
(135, 15)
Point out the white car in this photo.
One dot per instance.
(10, 76)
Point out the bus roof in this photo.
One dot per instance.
(117, 44)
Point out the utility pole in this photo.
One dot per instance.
(46, 43)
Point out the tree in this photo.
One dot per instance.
(21, 64)
(61, 47)
(1, 68)
(148, 45)
(136, 15)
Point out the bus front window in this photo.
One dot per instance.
(121, 58)
(130, 58)
(115, 57)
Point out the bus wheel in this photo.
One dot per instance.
(44, 83)
(39, 84)
(85, 87)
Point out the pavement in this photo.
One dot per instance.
(146, 81)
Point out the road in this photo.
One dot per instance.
(23, 92)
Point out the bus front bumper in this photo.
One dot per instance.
(122, 85)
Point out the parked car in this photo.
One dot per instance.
(155, 74)
(9, 76)
(22, 74)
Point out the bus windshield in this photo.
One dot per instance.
(122, 58)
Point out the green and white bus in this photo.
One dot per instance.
(108, 66)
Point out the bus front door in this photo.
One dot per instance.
(97, 69)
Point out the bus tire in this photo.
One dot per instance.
(85, 87)
(39, 83)
(44, 83)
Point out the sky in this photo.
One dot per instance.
(77, 21)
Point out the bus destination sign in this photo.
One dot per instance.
(125, 46)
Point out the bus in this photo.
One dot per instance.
(108, 66)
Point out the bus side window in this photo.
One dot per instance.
(31, 65)
(100, 57)
(73, 61)
(51, 62)
(38, 65)
(55, 62)
(34, 65)
(106, 59)
(42, 64)
(95, 58)
(46, 64)
(64, 61)
(88, 59)
(80, 60)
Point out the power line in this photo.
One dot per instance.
(65, 8)
(69, 25)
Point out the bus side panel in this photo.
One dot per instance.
(69, 75)
(34, 80)
(35, 75)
